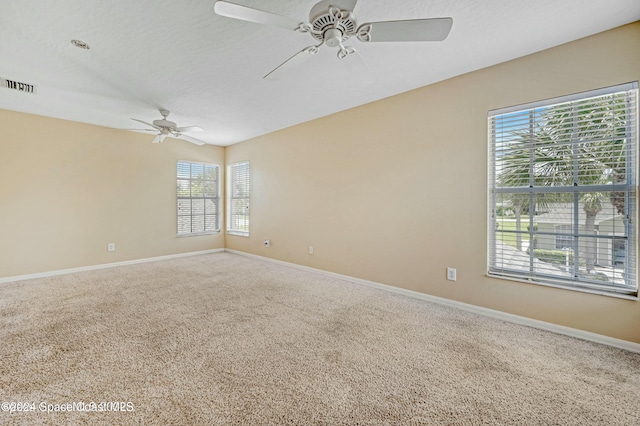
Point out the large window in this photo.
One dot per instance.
(562, 191)
(198, 198)
(238, 191)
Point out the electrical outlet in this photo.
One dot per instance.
(310, 249)
(267, 243)
(111, 247)
(451, 274)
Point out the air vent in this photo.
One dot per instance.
(17, 85)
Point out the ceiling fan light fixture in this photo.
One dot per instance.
(333, 37)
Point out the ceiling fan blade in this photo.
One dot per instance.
(190, 139)
(189, 129)
(148, 124)
(344, 4)
(292, 62)
(159, 138)
(244, 13)
(436, 29)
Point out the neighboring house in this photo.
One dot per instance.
(555, 227)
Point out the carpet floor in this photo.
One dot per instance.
(226, 339)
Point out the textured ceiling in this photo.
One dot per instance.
(207, 69)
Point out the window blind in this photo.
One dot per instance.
(238, 198)
(198, 198)
(562, 191)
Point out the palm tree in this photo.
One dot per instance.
(569, 145)
(592, 205)
(514, 174)
(518, 171)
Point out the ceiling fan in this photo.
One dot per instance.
(331, 23)
(169, 128)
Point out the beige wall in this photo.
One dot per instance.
(395, 191)
(67, 189)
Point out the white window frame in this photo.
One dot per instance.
(238, 199)
(202, 207)
(500, 263)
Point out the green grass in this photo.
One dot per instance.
(509, 238)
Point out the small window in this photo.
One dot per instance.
(238, 197)
(562, 191)
(198, 194)
(564, 237)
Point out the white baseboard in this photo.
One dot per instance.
(4, 280)
(542, 325)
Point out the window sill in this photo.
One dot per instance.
(238, 233)
(197, 234)
(630, 296)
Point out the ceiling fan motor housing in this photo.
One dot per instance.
(327, 28)
(165, 124)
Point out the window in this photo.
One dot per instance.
(198, 198)
(562, 191)
(238, 191)
(564, 238)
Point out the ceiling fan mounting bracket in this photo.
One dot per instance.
(312, 49)
(305, 28)
(364, 33)
(345, 51)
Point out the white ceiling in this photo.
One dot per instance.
(207, 69)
